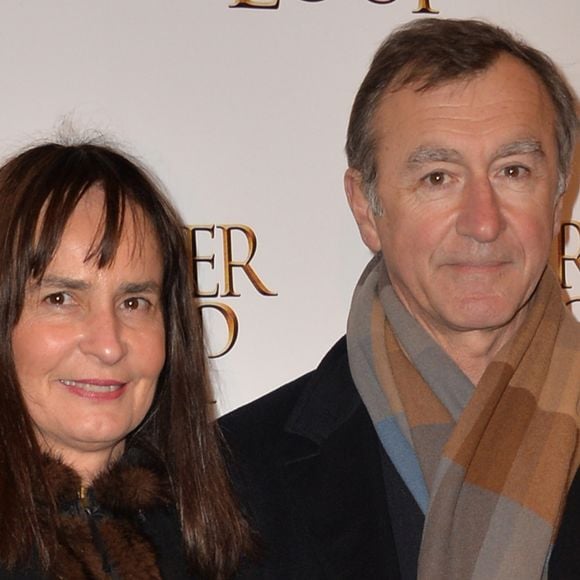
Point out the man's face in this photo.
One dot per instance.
(467, 176)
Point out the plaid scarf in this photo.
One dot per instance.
(489, 465)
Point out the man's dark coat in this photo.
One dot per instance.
(323, 496)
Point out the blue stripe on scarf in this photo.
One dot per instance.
(404, 459)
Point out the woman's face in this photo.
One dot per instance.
(90, 343)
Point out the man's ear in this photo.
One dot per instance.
(361, 209)
(558, 215)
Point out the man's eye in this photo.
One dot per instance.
(436, 178)
(515, 171)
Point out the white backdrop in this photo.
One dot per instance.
(242, 112)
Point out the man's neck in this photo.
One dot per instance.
(473, 350)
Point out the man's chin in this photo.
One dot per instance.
(484, 314)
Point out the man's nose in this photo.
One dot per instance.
(102, 336)
(480, 214)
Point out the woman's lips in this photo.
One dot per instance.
(95, 388)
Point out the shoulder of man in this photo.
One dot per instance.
(262, 421)
(262, 440)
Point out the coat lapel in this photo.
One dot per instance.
(334, 477)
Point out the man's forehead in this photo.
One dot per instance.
(423, 78)
(508, 85)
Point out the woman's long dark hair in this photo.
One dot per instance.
(39, 190)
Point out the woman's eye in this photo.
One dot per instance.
(56, 299)
(135, 303)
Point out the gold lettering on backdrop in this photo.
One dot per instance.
(232, 325)
(255, 3)
(197, 259)
(425, 8)
(230, 265)
(565, 260)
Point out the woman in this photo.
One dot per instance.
(110, 464)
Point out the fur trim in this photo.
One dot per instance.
(61, 479)
(104, 534)
(130, 488)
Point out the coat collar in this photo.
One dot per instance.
(329, 399)
(333, 474)
(137, 481)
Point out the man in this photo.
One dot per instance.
(439, 440)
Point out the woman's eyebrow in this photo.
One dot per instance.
(148, 286)
(63, 282)
(68, 283)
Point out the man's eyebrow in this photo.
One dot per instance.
(520, 147)
(426, 154)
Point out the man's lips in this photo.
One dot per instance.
(477, 265)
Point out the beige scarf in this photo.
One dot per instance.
(490, 466)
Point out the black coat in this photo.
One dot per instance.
(322, 494)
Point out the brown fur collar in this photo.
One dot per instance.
(102, 537)
(135, 483)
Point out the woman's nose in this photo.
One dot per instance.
(103, 336)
